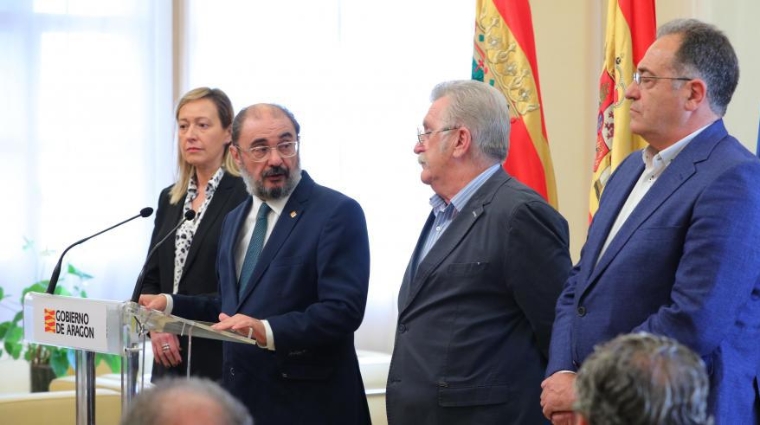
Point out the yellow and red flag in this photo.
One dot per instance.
(630, 31)
(505, 57)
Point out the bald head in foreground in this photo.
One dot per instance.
(191, 401)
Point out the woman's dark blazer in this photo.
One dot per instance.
(199, 274)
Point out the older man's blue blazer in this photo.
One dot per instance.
(310, 283)
(685, 264)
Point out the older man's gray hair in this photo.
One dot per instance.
(642, 379)
(186, 401)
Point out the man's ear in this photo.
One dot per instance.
(235, 152)
(697, 94)
(463, 142)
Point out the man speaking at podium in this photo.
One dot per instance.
(293, 266)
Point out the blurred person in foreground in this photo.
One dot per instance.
(208, 183)
(642, 379)
(293, 268)
(476, 303)
(186, 401)
(673, 249)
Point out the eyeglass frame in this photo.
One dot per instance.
(637, 78)
(268, 150)
(421, 137)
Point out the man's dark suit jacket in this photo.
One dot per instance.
(685, 264)
(475, 317)
(310, 283)
(199, 273)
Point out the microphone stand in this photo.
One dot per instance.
(131, 363)
(84, 359)
(145, 212)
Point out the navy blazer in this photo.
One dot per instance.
(686, 264)
(310, 283)
(475, 316)
(199, 272)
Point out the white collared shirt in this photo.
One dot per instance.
(654, 165)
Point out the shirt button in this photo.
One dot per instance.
(581, 311)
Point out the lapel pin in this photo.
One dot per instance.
(293, 214)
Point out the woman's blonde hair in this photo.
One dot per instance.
(224, 109)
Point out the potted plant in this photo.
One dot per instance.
(46, 362)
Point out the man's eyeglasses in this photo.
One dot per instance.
(261, 153)
(638, 78)
(422, 137)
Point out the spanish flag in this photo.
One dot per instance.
(630, 31)
(505, 57)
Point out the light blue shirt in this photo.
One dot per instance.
(446, 213)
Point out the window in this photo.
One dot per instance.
(86, 98)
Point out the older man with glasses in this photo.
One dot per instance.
(476, 303)
(293, 269)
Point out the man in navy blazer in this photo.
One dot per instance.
(476, 304)
(674, 248)
(306, 294)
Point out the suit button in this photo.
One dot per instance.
(401, 328)
(576, 364)
(232, 371)
(284, 375)
(581, 311)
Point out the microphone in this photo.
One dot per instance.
(145, 212)
(189, 215)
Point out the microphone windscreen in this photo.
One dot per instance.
(146, 212)
(189, 215)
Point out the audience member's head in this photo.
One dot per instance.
(186, 401)
(642, 379)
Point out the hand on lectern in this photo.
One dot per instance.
(153, 302)
(243, 325)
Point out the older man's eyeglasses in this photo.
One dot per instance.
(638, 78)
(261, 153)
(422, 137)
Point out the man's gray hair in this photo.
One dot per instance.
(482, 109)
(705, 53)
(167, 399)
(643, 379)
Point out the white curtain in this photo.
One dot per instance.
(85, 137)
(357, 75)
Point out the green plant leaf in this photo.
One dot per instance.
(13, 342)
(18, 317)
(4, 329)
(28, 244)
(113, 361)
(59, 361)
(2, 293)
(40, 286)
(76, 272)
(62, 290)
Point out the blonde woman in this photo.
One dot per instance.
(208, 182)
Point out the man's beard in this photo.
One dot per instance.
(257, 187)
